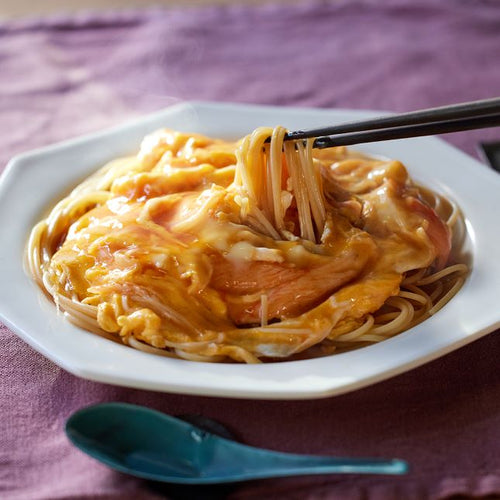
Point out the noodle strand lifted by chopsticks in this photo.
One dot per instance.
(259, 175)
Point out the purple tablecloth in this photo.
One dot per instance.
(64, 76)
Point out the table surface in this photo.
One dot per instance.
(21, 8)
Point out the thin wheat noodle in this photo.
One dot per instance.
(359, 332)
(447, 297)
(397, 324)
(456, 268)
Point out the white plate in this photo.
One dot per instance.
(33, 182)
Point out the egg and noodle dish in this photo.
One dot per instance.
(249, 251)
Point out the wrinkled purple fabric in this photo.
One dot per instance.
(66, 75)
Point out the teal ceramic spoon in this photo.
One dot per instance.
(149, 444)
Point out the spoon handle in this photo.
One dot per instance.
(277, 464)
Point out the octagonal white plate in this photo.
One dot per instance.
(34, 181)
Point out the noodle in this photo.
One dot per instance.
(211, 251)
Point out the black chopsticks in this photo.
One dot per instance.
(403, 132)
(442, 120)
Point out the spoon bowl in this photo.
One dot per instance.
(152, 445)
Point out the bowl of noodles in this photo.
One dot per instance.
(196, 251)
